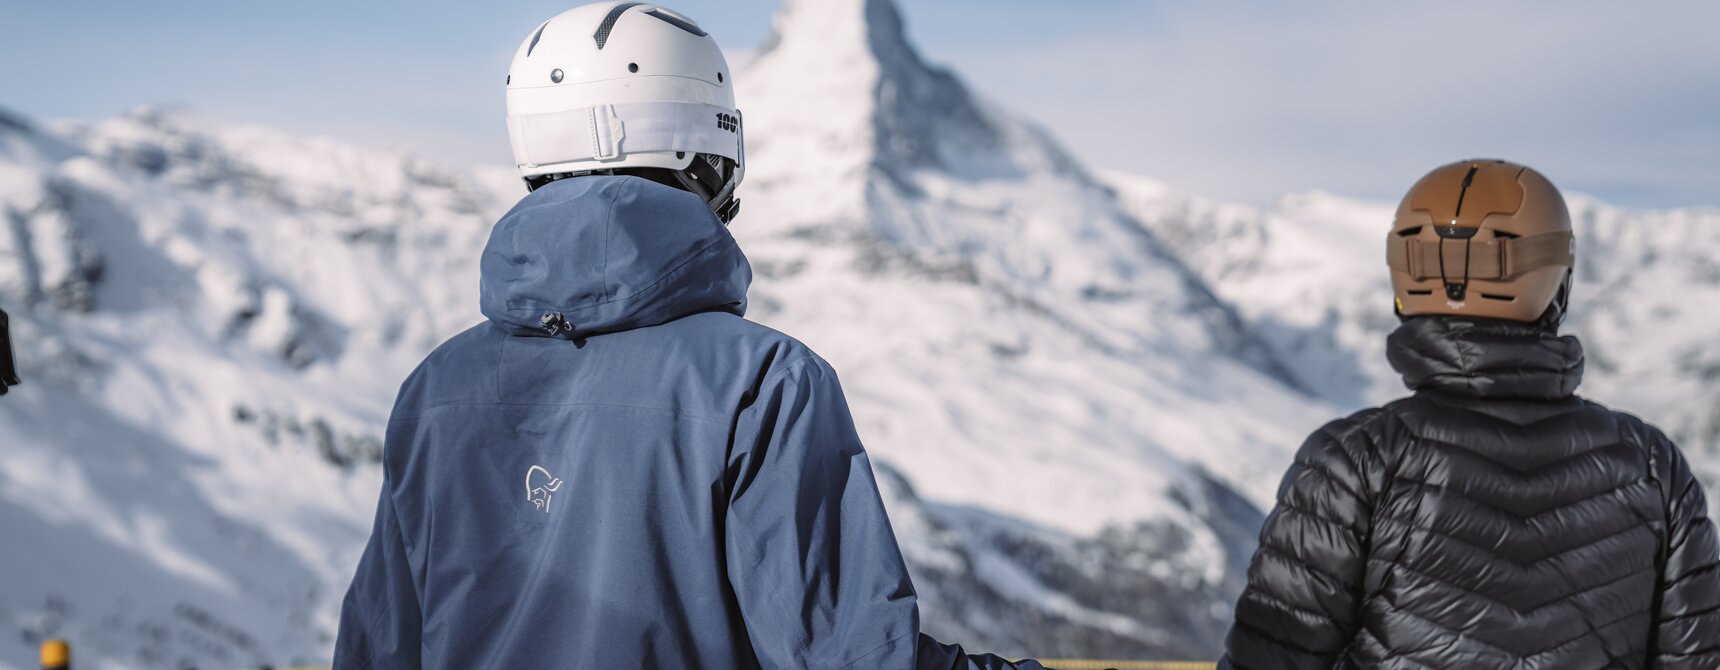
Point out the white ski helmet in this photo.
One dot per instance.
(626, 88)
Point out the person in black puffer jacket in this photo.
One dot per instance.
(1493, 519)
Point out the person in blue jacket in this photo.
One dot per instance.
(616, 469)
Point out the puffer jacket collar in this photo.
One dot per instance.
(1485, 358)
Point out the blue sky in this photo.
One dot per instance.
(1225, 99)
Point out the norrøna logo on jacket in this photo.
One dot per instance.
(541, 487)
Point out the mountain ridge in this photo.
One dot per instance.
(1334, 316)
(261, 361)
(1072, 413)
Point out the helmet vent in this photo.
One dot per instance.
(678, 22)
(535, 37)
(1468, 180)
(1425, 291)
(608, 24)
(1499, 298)
(1410, 232)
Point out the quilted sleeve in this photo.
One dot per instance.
(1687, 623)
(1300, 607)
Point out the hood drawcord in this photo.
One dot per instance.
(555, 324)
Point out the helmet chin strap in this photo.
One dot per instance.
(1559, 308)
(724, 203)
(701, 179)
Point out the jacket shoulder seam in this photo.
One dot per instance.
(787, 368)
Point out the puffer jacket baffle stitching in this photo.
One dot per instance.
(1491, 520)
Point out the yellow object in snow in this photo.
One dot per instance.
(56, 655)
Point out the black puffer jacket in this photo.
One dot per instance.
(1492, 520)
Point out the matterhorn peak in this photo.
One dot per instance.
(840, 27)
(853, 76)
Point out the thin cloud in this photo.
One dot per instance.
(1363, 98)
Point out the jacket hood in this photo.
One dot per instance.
(606, 254)
(1485, 358)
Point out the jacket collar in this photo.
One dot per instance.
(604, 254)
(1485, 358)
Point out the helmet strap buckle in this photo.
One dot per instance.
(728, 211)
(1456, 291)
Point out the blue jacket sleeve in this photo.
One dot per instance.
(380, 623)
(934, 655)
(811, 554)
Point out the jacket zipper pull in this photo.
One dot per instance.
(555, 324)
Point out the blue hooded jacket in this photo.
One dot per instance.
(617, 470)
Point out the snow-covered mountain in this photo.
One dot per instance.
(1310, 271)
(213, 320)
(1062, 377)
(1058, 387)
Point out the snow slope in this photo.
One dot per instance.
(211, 322)
(1075, 432)
(1311, 268)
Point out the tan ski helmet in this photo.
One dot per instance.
(1484, 238)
